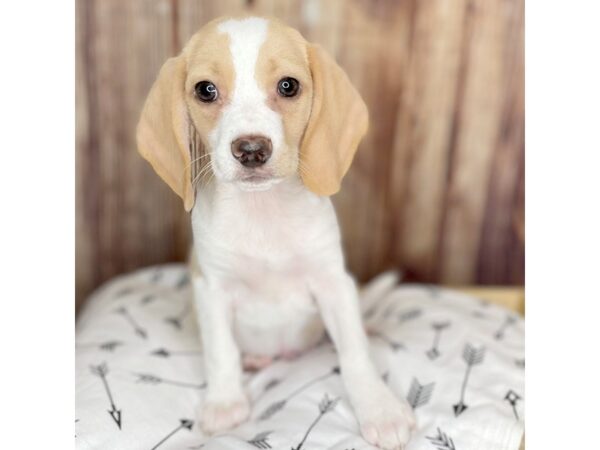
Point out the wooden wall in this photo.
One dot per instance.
(437, 186)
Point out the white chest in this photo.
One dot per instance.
(264, 246)
(283, 231)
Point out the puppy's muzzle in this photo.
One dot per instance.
(252, 151)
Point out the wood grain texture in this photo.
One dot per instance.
(426, 131)
(436, 188)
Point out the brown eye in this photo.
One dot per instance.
(288, 87)
(206, 91)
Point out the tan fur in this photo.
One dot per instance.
(163, 131)
(208, 58)
(338, 121)
(282, 55)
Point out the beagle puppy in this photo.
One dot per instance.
(254, 128)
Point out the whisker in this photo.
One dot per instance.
(208, 177)
(205, 174)
(211, 176)
(198, 177)
(203, 171)
(198, 159)
(199, 174)
(304, 170)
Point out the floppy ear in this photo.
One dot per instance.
(163, 133)
(338, 120)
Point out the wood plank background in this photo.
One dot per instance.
(436, 188)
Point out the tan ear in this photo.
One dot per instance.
(163, 133)
(338, 120)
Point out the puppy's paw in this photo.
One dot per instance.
(386, 422)
(221, 415)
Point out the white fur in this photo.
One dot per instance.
(272, 271)
(247, 113)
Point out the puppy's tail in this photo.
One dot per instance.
(372, 294)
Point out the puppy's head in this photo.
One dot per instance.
(263, 103)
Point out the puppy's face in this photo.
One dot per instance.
(248, 91)
(263, 103)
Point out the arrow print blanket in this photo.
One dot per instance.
(459, 362)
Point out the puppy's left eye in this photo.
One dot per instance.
(206, 91)
(288, 87)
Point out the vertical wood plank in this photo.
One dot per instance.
(370, 34)
(479, 119)
(424, 130)
(129, 218)
(85, 138)
(502, 237)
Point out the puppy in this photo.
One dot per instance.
(254, 128)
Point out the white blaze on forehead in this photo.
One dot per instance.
(246, 112)
(246, 36)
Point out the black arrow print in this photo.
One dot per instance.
(107, 346)
(183, 281)
(156, 276)
(394, 345)
(183, 424)
(164, 353)
(123, 292)
(419, 394)
(411, 314)
(480, 315)
(434, 291)
(101, 370)
(370, 312)
(136, 327)
(510, 320)
(442, 441)
(149, 378)
(261, 440)
(438, 327)
(520, 363)
(325, 406)
(147, 299)
(389, 311)
(512, 397)
(278, 406)
(177, 320)
(271, 384)
(472, 357)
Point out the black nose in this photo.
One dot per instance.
(252, 151)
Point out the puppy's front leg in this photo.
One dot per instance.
(226, 404)
(385, 420)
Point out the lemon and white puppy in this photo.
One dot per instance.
(274, 122)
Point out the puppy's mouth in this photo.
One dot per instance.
(255, 178)
(256, 181)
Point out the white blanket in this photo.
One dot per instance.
(458, 360)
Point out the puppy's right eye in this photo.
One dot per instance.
(206, 91)
(288, 87)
